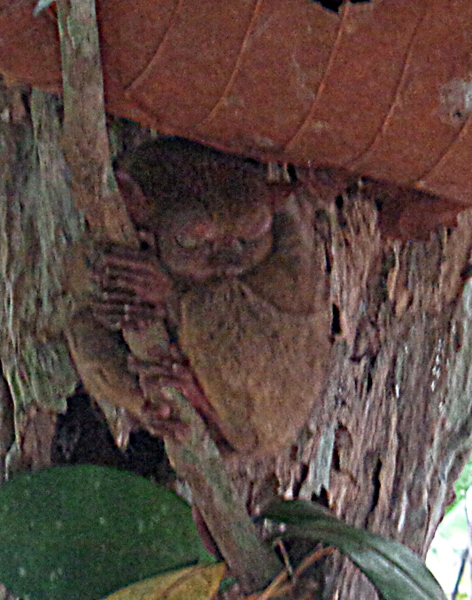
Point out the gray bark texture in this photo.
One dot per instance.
(399, 429)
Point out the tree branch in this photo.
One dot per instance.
(96, 193)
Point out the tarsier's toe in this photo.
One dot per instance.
(138, 317)
(161, 421)
(109, 321)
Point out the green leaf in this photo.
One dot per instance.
(82, 532)
(395, 571)
(41, 5)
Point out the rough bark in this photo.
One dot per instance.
(400, 381)
(387, 456)
(37, 222)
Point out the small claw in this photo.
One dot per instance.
(161, 411)
(111, 324)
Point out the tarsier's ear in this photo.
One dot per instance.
(138, 206)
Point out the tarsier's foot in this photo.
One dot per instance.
(170, 370)
(161, 420)
(133, 289)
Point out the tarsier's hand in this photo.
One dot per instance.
(172, 369)
(132, 288)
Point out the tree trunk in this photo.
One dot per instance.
(387, 455)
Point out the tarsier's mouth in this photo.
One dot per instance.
(225, 267)
(214, 273)
(232, 271)
(229, 270)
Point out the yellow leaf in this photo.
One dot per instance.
(194, 583)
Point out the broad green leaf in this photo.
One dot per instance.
(198, 583)
(395, 571)
(80, 533)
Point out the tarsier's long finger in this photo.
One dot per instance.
(118, 297)
(139, 263)
(174, 429)
(161, 422)
(142, 318)
(111, 266)
(154, 370)
(182, 373)
(126, 280)
(129, 252)
(153, 287)
(144, 309)
(110, 308)
(130, 311)
(194, 394)
(112, 322)
(161, 414)
(146, 290)
(127, 316)
(161, 364)
(160, 411)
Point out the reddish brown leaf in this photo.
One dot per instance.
(381, 88)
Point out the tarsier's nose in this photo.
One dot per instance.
(227, 252)
(227, 257)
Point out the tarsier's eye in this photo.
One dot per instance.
(248, 243)
(189, 242)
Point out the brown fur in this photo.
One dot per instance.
(258, 342)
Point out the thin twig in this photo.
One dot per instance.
(95, 191)
(279, 586)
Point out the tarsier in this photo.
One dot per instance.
(233, 269)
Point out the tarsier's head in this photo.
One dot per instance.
(212, 212)
(200, 244)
